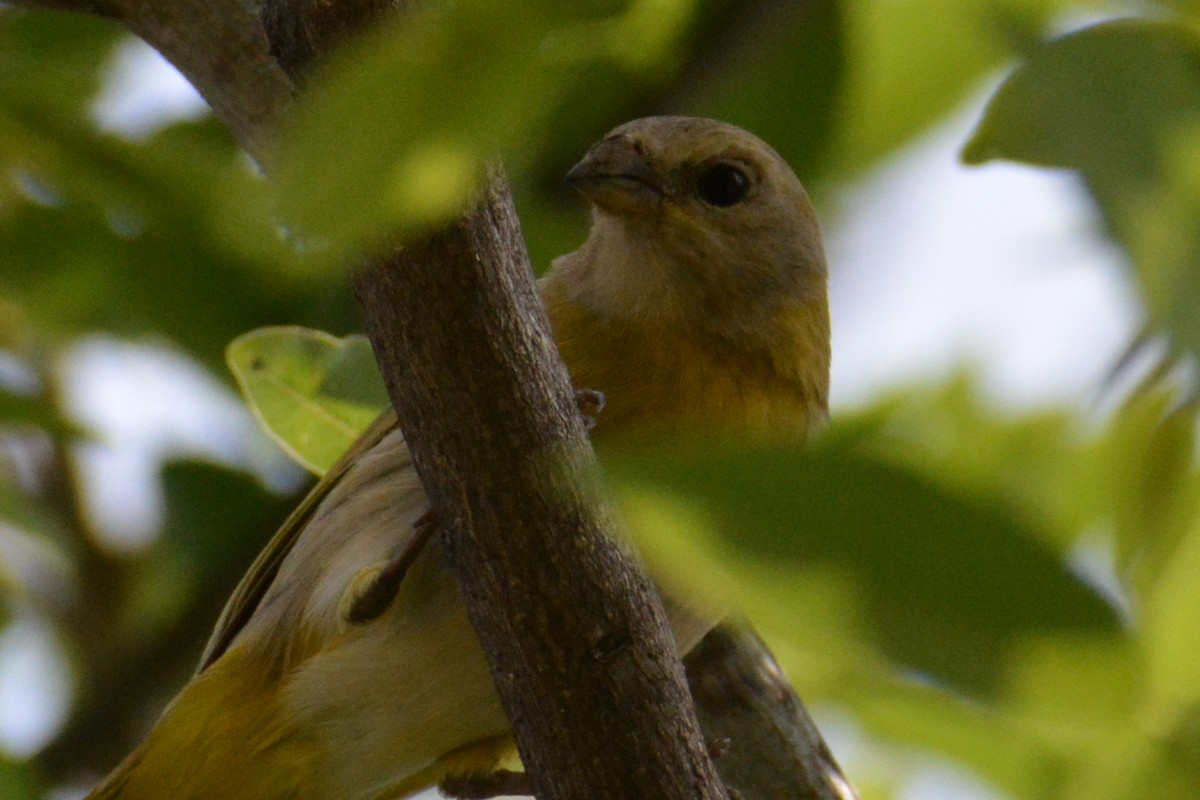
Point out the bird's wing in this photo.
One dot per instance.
(254, 584)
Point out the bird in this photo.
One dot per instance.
(697, 306)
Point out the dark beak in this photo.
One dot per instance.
(615, 176)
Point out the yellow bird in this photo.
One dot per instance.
(697, 305)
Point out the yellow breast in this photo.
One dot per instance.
(674, 381)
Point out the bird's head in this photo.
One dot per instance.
(694, 219)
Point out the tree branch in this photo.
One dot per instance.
(111, 9)
(768, 747)
(219, 46)
(575, 633)
(304, 33)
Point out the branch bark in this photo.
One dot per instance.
(574, 632)
(219, 45)
(768, 747)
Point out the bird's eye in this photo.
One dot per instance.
(722, 185)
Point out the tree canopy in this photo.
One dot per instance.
(1013, 593)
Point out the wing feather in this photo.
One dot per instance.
(254, 584)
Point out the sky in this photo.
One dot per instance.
(933, 265)
(1003, 267)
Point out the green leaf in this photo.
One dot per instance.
(998, 745)
(171, 235)
(1037, 462)
(1132, 765)
(1172, 630)
(910, 64)
(391, 139)
(56, 58)
(23, 409)
(1120, 103)
(19, 780)
(216, 520)
(1154, 491)
(312, 392)
(28, 512)
(939, 580)
(786, 88)
(1077, 690)
(1104, 100)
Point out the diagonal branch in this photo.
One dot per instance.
(769, 748)
(575, 634)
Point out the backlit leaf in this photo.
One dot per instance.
(394, 137)
(940, 580)
(312, 392)
(1120, 103)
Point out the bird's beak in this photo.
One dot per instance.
(616, 177)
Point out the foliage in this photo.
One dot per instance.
(1012, 592)
(314, 393)
(1120, 103)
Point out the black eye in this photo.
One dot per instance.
(722, 185)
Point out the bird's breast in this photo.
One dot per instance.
(679, 383)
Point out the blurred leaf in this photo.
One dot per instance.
(1000, 746)
(1134, 478)
(216, 520)
(1035, 461)
(18, 781)
(1135, 766)
(28, 512)
(814, 621)
(909, 64)
(312, 392)
(1077, 690)
(1187, 6)
(34, 564)
(947, 582)
(781, 79)
(1144, 85)
(74, 274)
(68, 80)
(927, 536)
(1171, 629)
(172, 234)
(167, 236)
(34, 553)
(1153, 488)
(1120, 102)
(22, 409)
(15, 330)
(393, 137)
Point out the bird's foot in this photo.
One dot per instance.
(481, 787)
(372, 589)
(590, 403)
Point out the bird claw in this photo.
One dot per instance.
(372, 589)
(590, 402)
